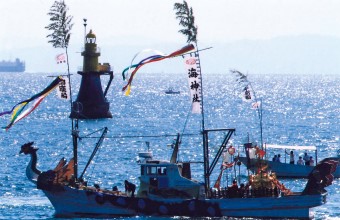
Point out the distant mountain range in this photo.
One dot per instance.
(308, 54)
(284, 55)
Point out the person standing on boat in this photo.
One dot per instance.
(278, 159)
(241, 190)
(291, 157)
(274, 158)
(233, 190)
(300, 161)
(130, 188)
(311, 161)
(306, 158)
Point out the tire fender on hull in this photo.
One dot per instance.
(100, 198)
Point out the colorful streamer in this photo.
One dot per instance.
(151, 59)
(18, 111)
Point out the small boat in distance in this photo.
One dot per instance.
(284, 168)
(170, 90)
(12, 66)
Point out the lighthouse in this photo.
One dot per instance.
(91, 102)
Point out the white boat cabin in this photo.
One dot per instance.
(167, 180)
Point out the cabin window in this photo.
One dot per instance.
(162, 171)
(152, 170)
(156, 170)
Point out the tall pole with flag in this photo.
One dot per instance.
(61, 26)
(186, 18)
(248, 94)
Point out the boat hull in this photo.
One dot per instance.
(77, 202)
(169, 92)
(285, 170)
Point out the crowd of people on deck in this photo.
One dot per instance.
(235, 191)
(305, 160)
(259, 185)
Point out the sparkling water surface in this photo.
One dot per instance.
(297, 110)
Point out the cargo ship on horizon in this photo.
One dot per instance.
(12, 66)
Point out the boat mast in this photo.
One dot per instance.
(61, 25)
(75, 131)
(75, 135)
(74, 124)
(208, 169)
(259, 113)
(204, 132)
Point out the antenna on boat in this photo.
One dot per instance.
(147, 145)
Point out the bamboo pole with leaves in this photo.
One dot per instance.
(186, 18)
(61, 26)
(242, 80)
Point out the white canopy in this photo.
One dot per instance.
(290, 147)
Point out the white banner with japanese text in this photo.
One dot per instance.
(194, 79)
(63, 89)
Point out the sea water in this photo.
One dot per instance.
(296, 110)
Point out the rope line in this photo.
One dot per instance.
(142, 136)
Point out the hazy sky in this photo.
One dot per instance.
(134, 22)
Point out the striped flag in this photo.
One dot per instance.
(151, 59)
(19, 111)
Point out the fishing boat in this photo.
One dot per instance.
(285, 168)
(170, 90)
(167, 188)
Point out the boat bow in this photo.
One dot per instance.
(320, 177)
(32, 172)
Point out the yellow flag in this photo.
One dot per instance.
(127, 92)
